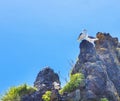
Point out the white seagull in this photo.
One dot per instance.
(84, 36)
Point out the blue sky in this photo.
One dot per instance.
(39, 33)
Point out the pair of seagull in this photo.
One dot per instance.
(84, 36)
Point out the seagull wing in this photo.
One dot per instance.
(82, 36)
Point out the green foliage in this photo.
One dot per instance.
(15, 93)
(104, 99)
(74, 82)
(46, 96)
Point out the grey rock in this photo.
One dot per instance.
(73, 96)
(90, 96)
(100, 65)
(77, 95)
(101, 68)
(46, 78)
(44, 82)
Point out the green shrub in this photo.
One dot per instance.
(104, 99)
(15, 93)
(46, 96)
(74, 82)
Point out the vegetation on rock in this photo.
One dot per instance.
(104, 99)
(46, 96)
(15, 93)
(74, 82)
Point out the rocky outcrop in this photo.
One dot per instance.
(101, 67)
(46, 80)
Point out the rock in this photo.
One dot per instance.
(100, 65)
(46, 78)
(118, 53)
(77, 95)
(55, 96)
(90, 96)
(87, 53)
(101, 68)
(36, 96)
(44, 82)
(73, 96)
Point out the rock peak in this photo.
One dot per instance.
(46, 80)
(106, 40)
(87, 51)
(46, 77)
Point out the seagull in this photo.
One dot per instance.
(84, 36)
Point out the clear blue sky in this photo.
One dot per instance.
(39, 33)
